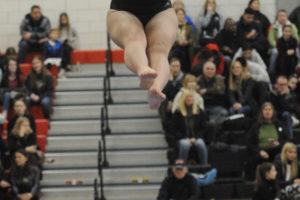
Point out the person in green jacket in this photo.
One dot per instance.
(276, 33)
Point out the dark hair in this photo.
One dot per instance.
(281, 76)
(261, 171)
(5, 80)
(250, 2)
(33, 74)
(173, 59)
(293, 76)
(10, 51)
(21, 171)
(261, 118)
(247, 46)
(286, 26)
(249, 11)
(34, 7)
(242, 61)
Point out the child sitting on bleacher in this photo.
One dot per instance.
(11, 85)
(53, 50)
(39, 84)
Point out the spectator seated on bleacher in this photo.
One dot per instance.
(266, 187)
(260, 78)
(190, 128)
(266, 138)
(259, 17)
(12, 84)
(22, 137)
(212, 89)
(34, 31)
(9, 53)
(39, 84)
(68, 36)
(227, 41)
(183, 46)
(240, 91)
(179, 185)
(171, 89)
(280, 98)
(178, 4)
(287, 46)
(250, 54)
(24, 178)
(249, 31)
(294, 86)
(20, 110)
(211, 23)
(189, 83)
(287, 166)
(210, 52)
(275, 33)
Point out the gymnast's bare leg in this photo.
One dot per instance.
(141, 52)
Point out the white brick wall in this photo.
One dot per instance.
(88, 17)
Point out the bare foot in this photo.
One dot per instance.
(147, 77)
(155, 97)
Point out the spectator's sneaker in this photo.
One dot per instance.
(61, 74)
(296, 121)
(207, 178)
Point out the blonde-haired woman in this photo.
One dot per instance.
(189, 127)
(189, 83)
(287, 166)
(240, 92)
(22, 137)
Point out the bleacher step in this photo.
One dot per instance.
(53, 178)
(93, 112)
(116, 126)
(90, 143)
(75, 160)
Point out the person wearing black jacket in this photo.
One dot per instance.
(287, 166)
(24, 178)
(3, 182)
(179, 185)
(266, 187)
(259, 17)
(266, 138)
(190, 128)
(295, 17)
(39, 84)
(34, 31)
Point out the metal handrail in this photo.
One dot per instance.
(103, 138)
(96, 193)
(106, 100)
(100, 173)
(110, 69)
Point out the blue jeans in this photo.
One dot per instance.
(44, 102)
(288, 122)
(273, 57)
(184, 148)
(244, 110)
(6, 101)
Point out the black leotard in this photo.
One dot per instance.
(144, 10)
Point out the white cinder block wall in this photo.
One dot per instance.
(88, 17)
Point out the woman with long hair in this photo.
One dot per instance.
(266, 187)
(266, 138)
(24, 178)
(240, 92)
(39, 84)
(12, 84)
(190, 127)
(287, 166)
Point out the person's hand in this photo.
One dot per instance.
(237, 106)
(227, 49)
(43, 40)
(202, 91)
(34, 97)
(252, 34)
(290, 52)
(192, 141)
(27, 36)
(210, 8)
(183, 42)
(31, 149)
(264, 154)
(273, 143)
(169, 106)
(4, 184)
(26, 196)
